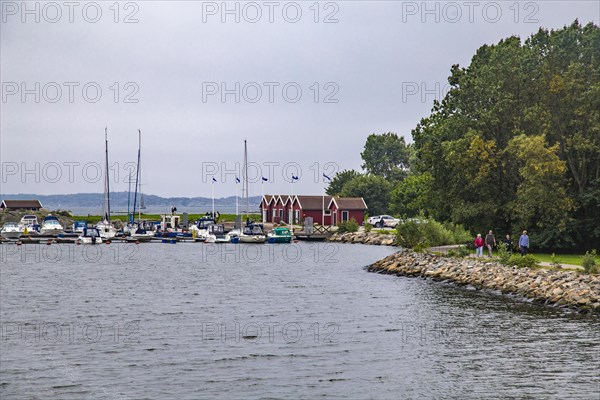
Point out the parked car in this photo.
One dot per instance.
(388, 220)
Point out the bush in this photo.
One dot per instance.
(348, 226)
(460, 251)
(588, 262)
(368, 227)
(458, 233)
(409, 234)
(527, 261)
(420, 231)
(503, 254)
(554, 262)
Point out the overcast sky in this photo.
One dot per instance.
(361, 67)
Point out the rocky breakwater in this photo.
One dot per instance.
(364, 238)
(553, 287)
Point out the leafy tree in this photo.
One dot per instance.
(386, 155)
(515, 143)
(541, 198)
(339, 180)
(374, 189)
(411, 196)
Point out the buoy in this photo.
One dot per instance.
(137, 242)
(108, 242)
(19, 243)
(48, 243)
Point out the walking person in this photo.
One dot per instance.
(524, 243)
(508, 243)
(490, 242)
(479, 246)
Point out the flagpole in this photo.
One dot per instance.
(323, 214)
(213, 198)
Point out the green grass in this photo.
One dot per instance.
(573, 259)
(384, 231)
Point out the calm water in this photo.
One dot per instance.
(192, 321)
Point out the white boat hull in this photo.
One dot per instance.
(11, 234)
(253, 239)
(142, 237)
(107, 231)
(89, 240)
(51, 231)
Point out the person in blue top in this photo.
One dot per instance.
(524, 243)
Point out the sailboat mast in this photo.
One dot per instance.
(137, 172)
(129, 214)
(245, 185)
(107, 179)
(140, 174)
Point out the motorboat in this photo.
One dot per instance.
(199, 230)
(51, 226)
(90, 236)
(11, 230)
(79, 226)
(30, 224)
(142, 233)
(216, 234)
(280, 235)
(253, 233)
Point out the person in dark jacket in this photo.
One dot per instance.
(490, 242)
(508, 243)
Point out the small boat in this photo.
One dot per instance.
(142, 233)
(79, 226)
(199, 230)
(280, 235)
(234, 235)
(253, 233)
(107, 229)
(90, 236)
(11, 230)
(216, 234)
(51, 226)
(29, 220)
(30, 225)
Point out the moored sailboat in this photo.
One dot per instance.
(252, 233)
(105, 227)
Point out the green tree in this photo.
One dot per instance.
(386, 155)
(516, 140)
(411, 196)
(339, 180)
(375, 190)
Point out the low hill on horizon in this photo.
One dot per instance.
(120, 199)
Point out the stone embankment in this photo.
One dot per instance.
(561, 288)
(364, 238)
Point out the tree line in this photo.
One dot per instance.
(514, 145)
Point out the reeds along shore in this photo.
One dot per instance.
(568, 289)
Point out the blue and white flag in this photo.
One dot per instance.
(237, 180)
(326, 177)
(265, 179)
(214, 180)
(294, 178)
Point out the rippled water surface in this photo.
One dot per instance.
(192, 321)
